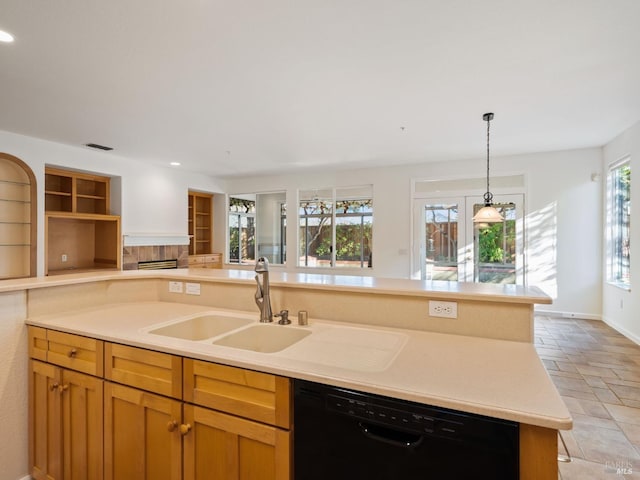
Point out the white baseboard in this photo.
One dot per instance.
(631, 336)
(560, 314)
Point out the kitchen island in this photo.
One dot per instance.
(465, 372)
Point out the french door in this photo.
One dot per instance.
(449, 246)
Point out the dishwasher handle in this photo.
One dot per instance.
(391, 437)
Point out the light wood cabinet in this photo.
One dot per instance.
(200, 223)
(65, 423)
(142, 435)
(210, 260)
(254, 395)
(228, 447)
(153, 416)
(65, 405)
(80, 233)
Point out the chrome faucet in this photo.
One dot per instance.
(262, 293)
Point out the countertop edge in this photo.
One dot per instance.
(343, 283)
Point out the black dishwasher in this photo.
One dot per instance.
(342, 434)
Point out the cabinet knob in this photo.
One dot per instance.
(72, 353)
(172, 425)
(54, 386)
(185, 428)
(63, 388)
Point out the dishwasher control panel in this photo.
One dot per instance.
(421, 423)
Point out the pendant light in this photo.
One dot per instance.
(488, 213)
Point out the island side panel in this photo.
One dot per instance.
(538, 453)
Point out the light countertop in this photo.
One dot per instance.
(498, 378)
(351, 283)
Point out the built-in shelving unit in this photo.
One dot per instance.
(80, 233)
(200, 223)
(75, 192)
(17, 211)
(15, 228)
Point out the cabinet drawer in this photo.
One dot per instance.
(75, 352)
(213, 258)
(152, 371)
(258, 396)
(196, 260)
(38, 343)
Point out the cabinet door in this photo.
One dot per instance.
(225, 447)
(82, 411)
(142, 438)
(45, 421)
(65, 423)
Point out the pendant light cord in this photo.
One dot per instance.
(488, 197)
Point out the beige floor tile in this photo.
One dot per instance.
(596, 371)
(605, 445)
(606, 396)
(624, 414)
(580, 469)
(632, 432)
(623, 391)
(595, 381)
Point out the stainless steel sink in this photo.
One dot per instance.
(263, 338)
(202, 327)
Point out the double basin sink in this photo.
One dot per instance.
(355, 348)
(233, 331)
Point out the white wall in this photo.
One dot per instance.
(153, 199)
(620, 307)
(563, 208)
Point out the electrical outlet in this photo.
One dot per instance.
(443, 309)
(193, 289)
(64, 257)
(175, 287)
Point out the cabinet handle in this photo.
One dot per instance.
(185, 428)
(172, 425)
(54, 386)
(72, 353)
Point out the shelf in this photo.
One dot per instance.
(95, 197)
(62, 194)
(14, 201)
(12, 182)
(15, 244)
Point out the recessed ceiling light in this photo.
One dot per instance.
(175, 164)
(6, 37)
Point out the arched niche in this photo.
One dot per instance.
(18, 218)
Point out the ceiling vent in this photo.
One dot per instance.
(99, 147)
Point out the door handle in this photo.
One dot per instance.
(392, 437)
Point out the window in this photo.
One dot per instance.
(242, 235)
(257, 227)
(619, 213)
(335, 227)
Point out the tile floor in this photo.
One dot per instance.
(597, 372)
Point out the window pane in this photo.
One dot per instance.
(620, 219)
(441, 227)
(234, 238)
(247, 239)
(344, 216)
(495, 247)
(316, 233)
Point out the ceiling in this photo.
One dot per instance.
(252, 86)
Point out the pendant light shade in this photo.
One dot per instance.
(488, 213)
